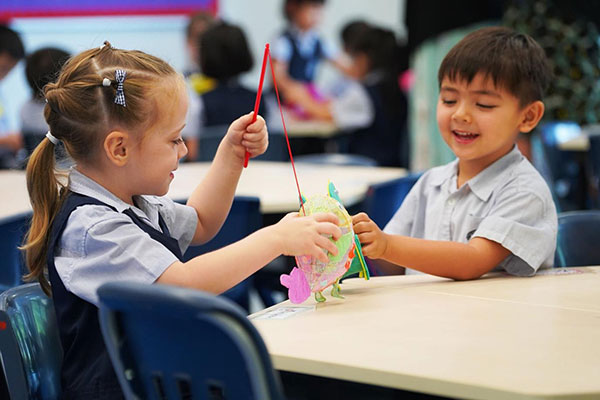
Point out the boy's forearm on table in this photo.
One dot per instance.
(442, 258)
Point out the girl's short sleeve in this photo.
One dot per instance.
(99, 245)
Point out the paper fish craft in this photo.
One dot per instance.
(312, 275)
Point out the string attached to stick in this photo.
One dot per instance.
(287, 139)
(256, 105)
(258, 94)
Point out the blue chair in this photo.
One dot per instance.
(577, 243)
(12, 266)
(243, 219)
(383, 199)
(167, 342)
(594, 160)
(29, 343)
(336, 159)
(565, 173)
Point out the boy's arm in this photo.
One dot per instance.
(453, 260)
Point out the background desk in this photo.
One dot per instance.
(273, 182)
(498, 337)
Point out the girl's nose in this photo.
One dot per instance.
(182, 150)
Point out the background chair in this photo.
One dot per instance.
(29, 343)
(577, 243)
(383, 199)
(565, 172)
(12, 266)
(243, 219)
(594, 160)
(336, 159)
(167, 342)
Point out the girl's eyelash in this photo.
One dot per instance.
(485, 105)
(178, 140)
(448, 101)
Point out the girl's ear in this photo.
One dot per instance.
(531, 116)
(117, 147)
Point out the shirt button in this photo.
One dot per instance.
(451, 201)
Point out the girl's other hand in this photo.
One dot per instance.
(308, 235)
(372, 239)
(243, 136)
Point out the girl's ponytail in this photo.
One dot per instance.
(44, 190)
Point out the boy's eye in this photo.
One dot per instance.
(489, 106)
(178, 141)
(450, 102)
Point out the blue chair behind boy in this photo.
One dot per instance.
(577, 243)
(383, 199)
(29, 343)
(566, 176)
(12, 266)
(243, 219)
(594, 160)
(167, 342)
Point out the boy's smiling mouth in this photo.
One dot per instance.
(464, 136)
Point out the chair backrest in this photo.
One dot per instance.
(167, 342)
(29, 343)
(383, 199)
(566, 178)
(243, 219)
(336, 159)
(594, 160)
(209, 141)
(12, 266)
(577, 242)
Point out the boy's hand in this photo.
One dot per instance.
(372, 239)
(308, 235)
(243, 135)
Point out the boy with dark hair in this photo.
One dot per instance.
(489, 208)
(11, 51)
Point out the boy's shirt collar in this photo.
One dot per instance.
(482, 184)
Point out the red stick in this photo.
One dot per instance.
(258, 94)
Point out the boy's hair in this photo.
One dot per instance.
(42, 67)
(11, 43)
(289, 5)
(514, 61)
(225, 53)
(80, 112)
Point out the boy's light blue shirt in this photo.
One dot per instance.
(508, 203)
(100, 245)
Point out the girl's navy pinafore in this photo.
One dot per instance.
(87, 372)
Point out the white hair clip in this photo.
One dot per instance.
(103, 46)
(52, 138)
(105, 82)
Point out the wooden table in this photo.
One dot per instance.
(498, 337)
(272, 182)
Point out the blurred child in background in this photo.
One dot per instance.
(299, 50)
(372, 106)
(42, 67)
(224, 57)
(11, 52)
